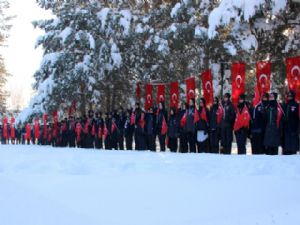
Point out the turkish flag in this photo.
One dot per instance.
(138, 91)
(160, 93)
(220, 113)
(190, 88)
(263, 76)
(132, 119)
(183, 120)
(293, 75)
(142, 121)
(28, 131)
(242, 119)
(256, 99)
(207, 87)
(164, 127)
(78, 131)
(203, 114)
(36, 128)
(148, 100)
(196, 116)
(174, 94)
(238, 72)
(280, 113)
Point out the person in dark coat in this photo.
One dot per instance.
(150, 130)
(183, 146)
(161, 115)
(202, 128)
(242, 133)
(258, 125)
(173, 130)
(291, 125)
(71, 132)
(120, 121)
(129, 129)
(99, 131)
(227, 125)
(214, 127)
(190, 126)
(139, 129)
(273, 132)
(89, 130)
(107, 127)
(64, 133)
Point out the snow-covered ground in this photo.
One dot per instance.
(56, 186)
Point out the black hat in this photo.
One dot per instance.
(243, 97)
(227, 95)
(292, 94)
(275, 95)
(265, 95)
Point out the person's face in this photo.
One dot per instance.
(150, 110)
(160, 105)
(265, 99)
(241, 100)
(191, 103)
(172, 112)
(215, 101)
(272, 98)
(290, 97)
(201, 104)
(225, 99)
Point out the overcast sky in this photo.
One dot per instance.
(21, 58)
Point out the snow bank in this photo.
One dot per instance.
(56, 186)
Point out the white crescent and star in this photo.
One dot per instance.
(295, 72)
(238, 80)
(208, 86)
(260, 80)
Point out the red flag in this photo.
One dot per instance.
(196, 116)
(220, 113)
(105, 132)
(113, 127)
(183, 120)
(174, 94)
(78, 131)
(164, 127)
(242, 119)
(203, 115)
(190, 88)
(238, 81)
(142, 121)
(263, 76)
(293, 75)
(132, 119)
(160, 93)
(45, 118)
(28, 131)
(100, 132)
(5, 128)
(36, 128)
(138, 91)
(279, 114)
(207, 87)
(256, 99)
(12, 128)
(148, 101)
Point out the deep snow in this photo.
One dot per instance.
(56, 186)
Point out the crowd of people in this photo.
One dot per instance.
(191, 128)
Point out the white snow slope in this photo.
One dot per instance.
(56, 186)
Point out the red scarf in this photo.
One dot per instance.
(78, 131)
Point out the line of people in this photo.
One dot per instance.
(191, 128)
